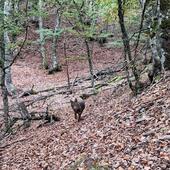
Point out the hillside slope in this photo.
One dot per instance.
(118, 131)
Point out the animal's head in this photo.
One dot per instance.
(73, 101)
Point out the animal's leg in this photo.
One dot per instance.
(75, 114)
(79, 117)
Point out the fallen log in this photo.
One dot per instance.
(40, 98)
(28, 92)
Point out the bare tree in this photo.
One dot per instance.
(127, 51)
(85, 21)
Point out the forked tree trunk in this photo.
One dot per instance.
(127, 51)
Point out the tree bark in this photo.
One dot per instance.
(55, 59)
(8, 54)
(127, 51)
(42, 40)
(154, 19)
(2, 75)
(5, 102)
(165, 30)
(89, 57)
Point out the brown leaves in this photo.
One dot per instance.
(118, 131)
(104, 139)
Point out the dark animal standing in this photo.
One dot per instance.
(78, 106)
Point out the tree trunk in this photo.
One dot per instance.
(54, 58)
(155, 19)
(67, 66)
(42, 41)
(8, 54)
(2, 75)
(89, 57)
(165, 30)
(127, 50)
(5, 102)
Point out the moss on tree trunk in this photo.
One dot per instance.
(165, 26)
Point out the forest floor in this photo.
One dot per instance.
(118, 131)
